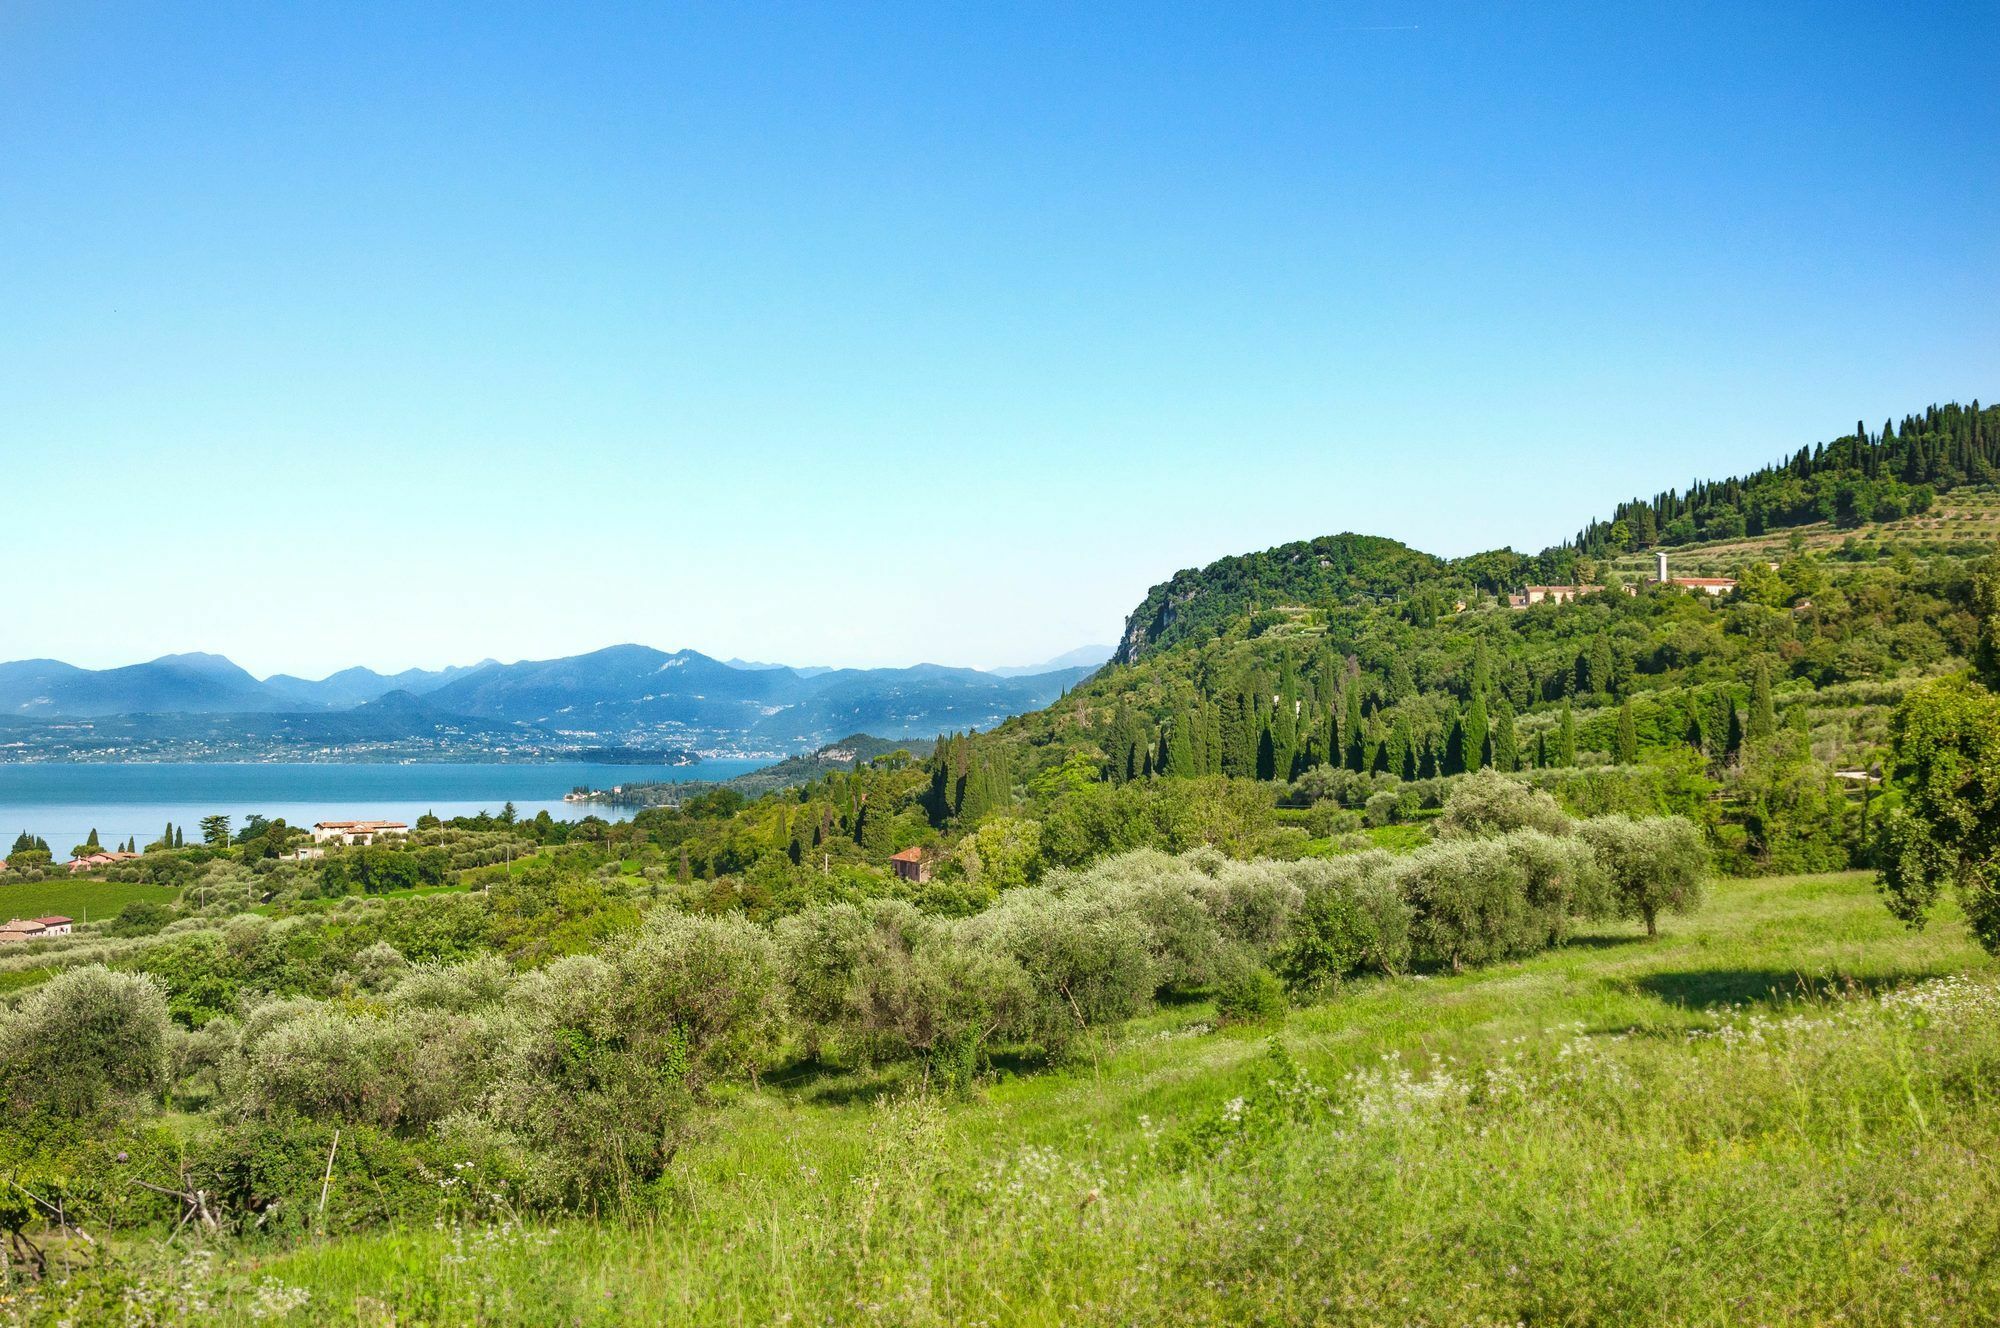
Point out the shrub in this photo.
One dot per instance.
(1352, 916)
(82, 1037)
(602, 1060)
(1563, 880)
(1488, 803)
(1086, 965)
(1249, 995)
(941, 1000)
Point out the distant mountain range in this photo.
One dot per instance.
(1083, 657)
(623, 696)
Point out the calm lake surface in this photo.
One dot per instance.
(63, 803)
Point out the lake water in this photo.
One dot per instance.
(63, 803)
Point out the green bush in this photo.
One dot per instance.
(82, 1037)
(1249, 995)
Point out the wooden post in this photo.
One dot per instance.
(327, 1180)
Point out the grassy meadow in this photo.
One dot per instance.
(78, 897)
(1782, 1111)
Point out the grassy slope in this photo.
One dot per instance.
(77, 897)
(1576, 1155)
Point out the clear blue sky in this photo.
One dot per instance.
(406, 334)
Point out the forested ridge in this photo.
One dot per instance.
(1854, 480)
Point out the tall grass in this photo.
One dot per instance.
(1782, 1112)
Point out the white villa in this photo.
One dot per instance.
(357, 832)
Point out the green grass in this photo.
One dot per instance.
(77, 897)
(1729, 1125)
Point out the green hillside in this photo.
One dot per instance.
(1337, 568)
(1362, 946)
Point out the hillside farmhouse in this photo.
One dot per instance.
(100, 859)
(357, 832)
(34, 929)
(912, 864)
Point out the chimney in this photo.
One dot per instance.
(1662, 555)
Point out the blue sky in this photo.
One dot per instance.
(869, 334)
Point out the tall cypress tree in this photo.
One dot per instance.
(1763, 712)
(1628, 734)
(1352, 729)
(1455, 748)
(1506, 744)
(1477, 732)
(1267, 755)
(1404, 745)
(1566, 738)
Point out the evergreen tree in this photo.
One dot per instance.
(1506, 743)
(180, 840)
(1566, 738)
(1267, 755)
(1628, 734)
(1403, 746)
(1477, 734)
(1455, 749)
(1732, 742)
(1763, 713)
(91, 842)
(1351, 728)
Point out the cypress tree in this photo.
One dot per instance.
(180, 840)
(1352, 728)
(1477, 734)
(1732, 741)
(1180, 760)
(1506, 744)
(1566, 738)
(1455, 748)
(1763, 713)
(1267, 755)
(1628, 734)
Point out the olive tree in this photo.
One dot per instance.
(1651, 866)
(1351, 916)
(1947, 743)
(1469, 904)
(1488, 803)
(82, 1037)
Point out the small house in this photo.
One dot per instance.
(912, 864)
(54, 926)
(100, 859)
(18, 930)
